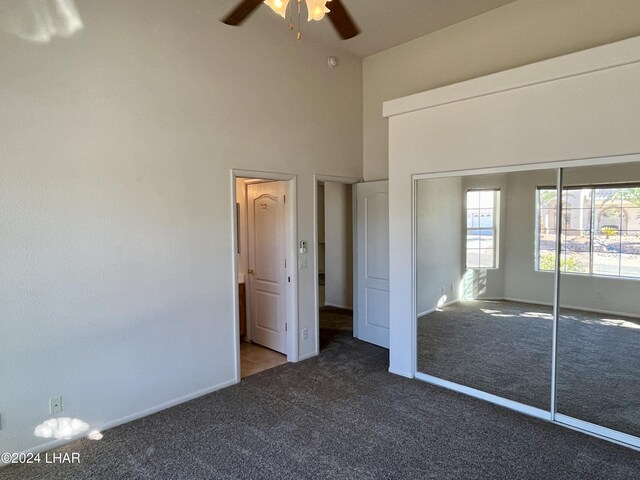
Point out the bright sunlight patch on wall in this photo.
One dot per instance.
(40, 20)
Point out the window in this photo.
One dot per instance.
(600, 230)
(482, 231)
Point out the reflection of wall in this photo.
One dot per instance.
(439, 232)
(338, 245)
(521, 279)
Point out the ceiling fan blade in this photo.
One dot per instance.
(341, 20)
(241, 12)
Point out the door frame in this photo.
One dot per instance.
(291, 235)
(316, 292)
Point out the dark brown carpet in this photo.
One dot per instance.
(340, 415)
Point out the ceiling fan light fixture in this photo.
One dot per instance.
(278, 6)
(316, 9)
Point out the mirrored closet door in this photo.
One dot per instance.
(528, 292)
(485, 315)
(598, 363)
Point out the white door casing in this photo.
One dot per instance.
(267, 265)
(372, 271)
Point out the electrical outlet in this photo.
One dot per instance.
(305, 333)
(55, 405)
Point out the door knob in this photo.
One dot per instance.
(251, 272)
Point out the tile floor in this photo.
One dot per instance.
(255, 358)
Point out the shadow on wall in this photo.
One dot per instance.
(473, 284)
(40, 20)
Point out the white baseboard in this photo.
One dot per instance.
(452, 302)
(306, 356)
(520, 300)
(43, 447)
(571, 307)
(335, 305)
(402, 374)
(534, 302)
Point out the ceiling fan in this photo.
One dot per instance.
(335, 10)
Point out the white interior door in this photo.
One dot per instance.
(372, 270)
(267, 269)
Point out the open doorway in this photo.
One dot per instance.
(334, 248)
(265, 239)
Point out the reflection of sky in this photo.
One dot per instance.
(40, 20)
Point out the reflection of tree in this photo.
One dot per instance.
(622, 196)
(609, 231)
(629, 195)
(546, 197)
(568, 263)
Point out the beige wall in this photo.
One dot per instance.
(117, 147)
(520, 33)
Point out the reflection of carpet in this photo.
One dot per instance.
(504, 348)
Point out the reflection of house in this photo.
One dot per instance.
(592, 209)
(482, 220)
(600, 230)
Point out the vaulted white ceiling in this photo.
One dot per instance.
(384, 23)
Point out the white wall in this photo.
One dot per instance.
(439, 241)
(338, 237)
(519, 33)
(577, 107)
(117, 146)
